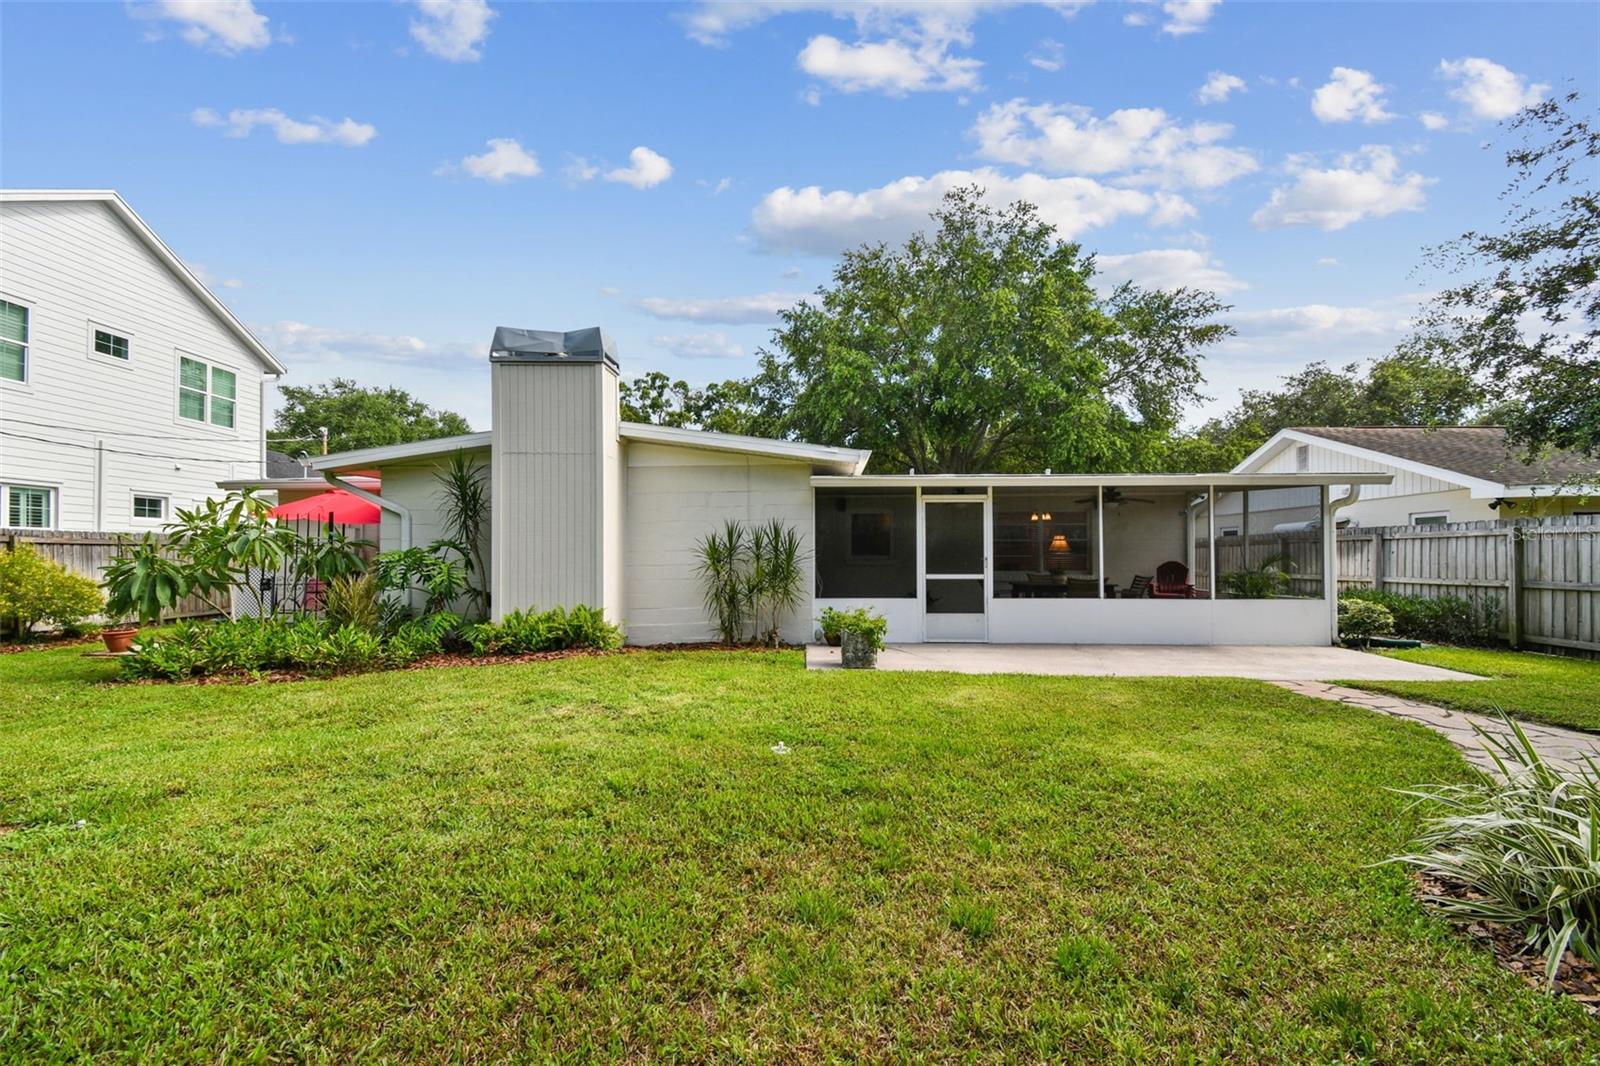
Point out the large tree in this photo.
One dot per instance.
(357, 417)
(984, 346)
(1526, 318)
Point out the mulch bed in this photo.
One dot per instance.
(1577, 977)
(46, 641)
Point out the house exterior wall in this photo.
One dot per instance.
(1141, 536)
(415, 486)
(674, 497)
(75, 265)
(555, 470)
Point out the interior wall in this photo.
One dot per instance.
(1141, 536)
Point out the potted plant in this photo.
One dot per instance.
(861, 634)
(141, 583)
(829, 625)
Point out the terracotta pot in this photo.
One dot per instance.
(833, 641)
(119, 638)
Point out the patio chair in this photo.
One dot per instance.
(1138, 588)
(1082, 588)
(1172, 582)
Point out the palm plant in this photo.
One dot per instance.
(464, 506)
(724, 573)
(777, 573)
(1270, 578)
(1526, 848)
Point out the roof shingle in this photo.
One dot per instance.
(1477, 451)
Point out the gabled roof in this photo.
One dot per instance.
(148, 237)
(1478, 457)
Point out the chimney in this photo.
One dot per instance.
(556, 475)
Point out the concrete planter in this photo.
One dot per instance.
(857, 652)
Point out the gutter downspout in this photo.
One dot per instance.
(396, 509)
(1330, 551)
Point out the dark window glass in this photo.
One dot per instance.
(866, 544)
(872, 535)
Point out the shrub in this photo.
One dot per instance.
(34, 589)
(353, 600)
(1441, 620)
(751, 577)
(1524, 848)
(1363, 619)
(830, 623)
(865, 623)
(525, 632)
(1269, 579)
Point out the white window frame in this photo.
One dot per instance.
(27, 348)
(52, 506)
(94, 326)
(1228, 531)
(205, 422)
(1423, 518)
(133, 506)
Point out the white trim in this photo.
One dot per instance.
(52, 495)
(986, 577)
(26, 384)
(417, 449)
(850, 461)
(1417, 518)
(147, 235)
(1480, 488)
(211, 365)
(135, 495)
(316, 484)
(934, 483)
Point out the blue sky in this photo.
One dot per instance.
(374, 187)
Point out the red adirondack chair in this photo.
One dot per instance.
(1172, 582)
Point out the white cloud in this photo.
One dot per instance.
(1219, 86)
(1328, 261)
(718, 187)
(823, 223)
(1167, 268)
(210, 280)
(1365, 184)
(1350, 94)
(712, 345)
(894, 67)
(452, 29)
(1136, 17)
(791, 273)
(1050, 55)
(645, 170)
(505, 160)
(1432, 120)
(1187, 16)
(1144, 145)
(314, 130)
(298, 342)
(579, 168)
(722, 310)
(225, 26)
(1489, 90)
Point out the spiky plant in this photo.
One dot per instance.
(464, 506)
(777, 575)
(1525, 846)
(724, 575)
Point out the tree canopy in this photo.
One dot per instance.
(1527, 322)
(358, 417)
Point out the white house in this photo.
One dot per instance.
(1441, 474)
(127, 389)
(588, 508)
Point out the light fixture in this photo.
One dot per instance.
(1046, 516)
(1034, 517)
(1058, 543)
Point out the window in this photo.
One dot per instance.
(871, 536)
(1302, 458)
(110, 344)
(13, 341)
(149, 507)
(1228, 531)
(28, 508)
(1040, 539)
(206, 393)
(1430, 518)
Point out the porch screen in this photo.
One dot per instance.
(866, 543)
(1269, 543)
(1040, 540)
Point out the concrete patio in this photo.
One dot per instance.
(1262, 662)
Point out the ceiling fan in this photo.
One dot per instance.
(1114, 495)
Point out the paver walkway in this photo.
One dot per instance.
(1563, 748)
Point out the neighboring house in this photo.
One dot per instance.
(587, 508)
(127, 389)
(285, 479)
(1441, 474)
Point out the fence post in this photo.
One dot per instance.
(1514, 589)
(1377, 559)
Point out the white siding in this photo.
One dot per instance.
(1328, 460)
(677, 495)
(73, 263)
(549, 457)
(415, 486)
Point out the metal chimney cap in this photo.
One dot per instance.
(513, 345)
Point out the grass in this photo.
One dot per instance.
(1543, 688)
(603, 859)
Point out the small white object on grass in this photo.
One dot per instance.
(780, 748)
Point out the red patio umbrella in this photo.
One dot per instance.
(335, 504)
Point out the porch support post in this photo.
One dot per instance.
(1100, 540)
(1211, 540)
(1330, 563)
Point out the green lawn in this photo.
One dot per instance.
(1541, 688)
(604, 859)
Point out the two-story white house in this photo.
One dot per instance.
(127, 389)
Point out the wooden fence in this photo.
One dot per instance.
(87, 553)
(1539, 577)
